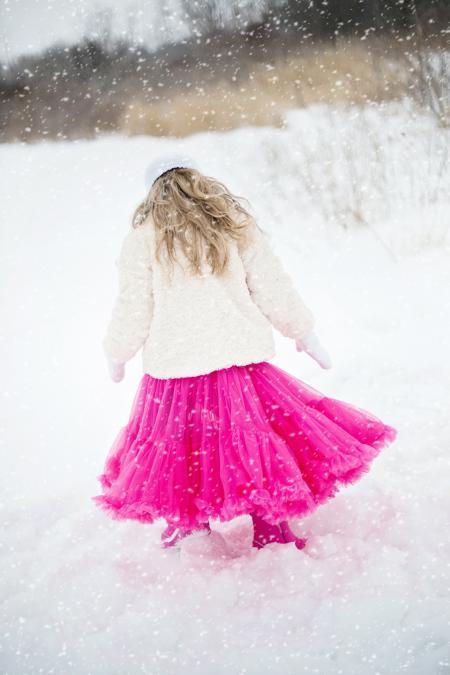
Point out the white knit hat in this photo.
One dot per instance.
(162, 164)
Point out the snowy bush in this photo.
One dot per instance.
(366, 166)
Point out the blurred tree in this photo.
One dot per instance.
(77, 90)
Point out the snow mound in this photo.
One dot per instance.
(83, 594)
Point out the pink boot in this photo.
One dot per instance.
(265, 533)
(173, 534)
(289, 536)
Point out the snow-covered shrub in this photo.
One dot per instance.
(365, 166)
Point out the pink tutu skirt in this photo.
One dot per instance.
(242, 439)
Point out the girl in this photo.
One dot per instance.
(215, 429)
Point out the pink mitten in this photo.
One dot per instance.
(311, 345)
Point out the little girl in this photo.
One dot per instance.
(215, 429)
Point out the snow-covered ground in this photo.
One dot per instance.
(82, 594)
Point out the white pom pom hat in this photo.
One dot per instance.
(162, 164)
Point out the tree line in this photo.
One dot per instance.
(79, 90)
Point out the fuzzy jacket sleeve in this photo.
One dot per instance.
(271, 287)
(133, 308)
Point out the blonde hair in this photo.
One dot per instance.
(196, 211)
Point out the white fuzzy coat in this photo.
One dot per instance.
(192, 325)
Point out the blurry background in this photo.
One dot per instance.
(332, 118)
(173, 67)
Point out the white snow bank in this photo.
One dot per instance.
(87, 595)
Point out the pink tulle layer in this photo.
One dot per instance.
(242, 439)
